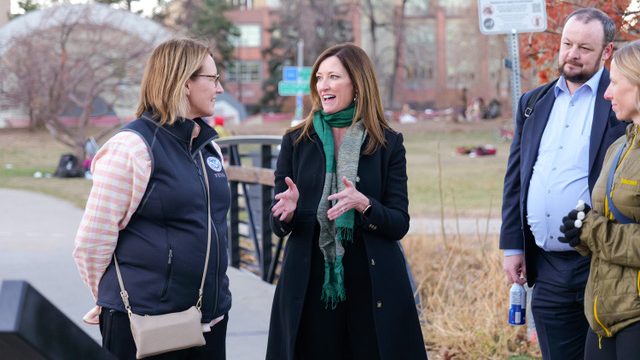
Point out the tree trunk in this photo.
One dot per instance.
(397, 49)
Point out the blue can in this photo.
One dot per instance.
(517, 304)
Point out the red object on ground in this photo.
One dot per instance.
(474, 151)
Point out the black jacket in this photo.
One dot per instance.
(381, 177)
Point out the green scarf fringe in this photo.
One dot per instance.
(333, 288)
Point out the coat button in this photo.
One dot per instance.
(357, 178)
(373, 262)
(371, 227)
(379, 304)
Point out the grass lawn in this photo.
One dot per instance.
(470, 186)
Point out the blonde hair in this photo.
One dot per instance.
(163, 89)
(627, 61)
(365, 88)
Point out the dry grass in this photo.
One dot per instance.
(465, 299)
(463, 290)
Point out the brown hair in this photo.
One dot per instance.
(163, 87)
(365, 87)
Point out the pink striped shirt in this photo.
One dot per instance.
(121, 171)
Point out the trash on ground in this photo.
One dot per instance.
(475, 151)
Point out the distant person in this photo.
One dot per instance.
(464, 102)
(555, 158)
(493, 109)
(149, 206)
(476, 109)
(610, 233)
(341, 196)
(407, 117)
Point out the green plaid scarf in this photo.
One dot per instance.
(334, 234)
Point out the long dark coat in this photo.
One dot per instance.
(381, 177)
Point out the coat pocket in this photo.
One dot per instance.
(168, 273)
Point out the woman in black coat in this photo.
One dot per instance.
(341, 194)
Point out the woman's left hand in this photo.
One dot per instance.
(347, 199)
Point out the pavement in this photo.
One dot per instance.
(36, 241)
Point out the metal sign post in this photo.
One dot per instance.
(515, 74)
(298, 114)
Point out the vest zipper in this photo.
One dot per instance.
(638, 283)
(168, 273)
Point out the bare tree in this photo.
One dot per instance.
(398, 48)
(320, 23)
(47, 71)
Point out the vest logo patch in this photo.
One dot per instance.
(214, 163)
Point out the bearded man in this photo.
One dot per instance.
(563, 130)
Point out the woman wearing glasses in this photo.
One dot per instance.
(156, 184)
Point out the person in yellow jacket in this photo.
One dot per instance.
(610, 233)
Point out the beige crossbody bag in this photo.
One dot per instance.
(157, 334)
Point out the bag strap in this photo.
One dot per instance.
(206, 259)
(535, 97)
(622, 219)
(123, 292)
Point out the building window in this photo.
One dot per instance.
(419, 55)
(462, 59)
(250, 36)
(416, 8)
(242, 4)
(244, 71)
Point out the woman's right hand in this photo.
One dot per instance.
(287, 202)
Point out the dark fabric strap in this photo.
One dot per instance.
(616, 214)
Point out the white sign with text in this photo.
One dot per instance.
(508, 16)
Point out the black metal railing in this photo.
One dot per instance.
(250, 164)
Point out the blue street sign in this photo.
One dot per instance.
(289, 73)
(293, 73)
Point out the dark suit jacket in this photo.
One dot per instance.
(383, 179)
(515, 232)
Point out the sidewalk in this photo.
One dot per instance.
(36, 240)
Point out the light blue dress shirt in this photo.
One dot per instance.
(561, 173)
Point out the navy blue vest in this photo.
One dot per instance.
(162, 250)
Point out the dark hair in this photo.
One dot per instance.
(586, 15)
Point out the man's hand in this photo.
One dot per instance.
(514, 267)
(572, 225)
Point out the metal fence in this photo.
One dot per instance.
(250, 163)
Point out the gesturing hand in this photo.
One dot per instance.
(287, 201)
(347, 199)
(572, 224)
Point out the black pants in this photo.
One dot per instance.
(117, 338)
(625, 345)
(346, 332)
(558, 304)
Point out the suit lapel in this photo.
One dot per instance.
(600, 118)
(532, 131)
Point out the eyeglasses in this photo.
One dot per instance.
(215, 78)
